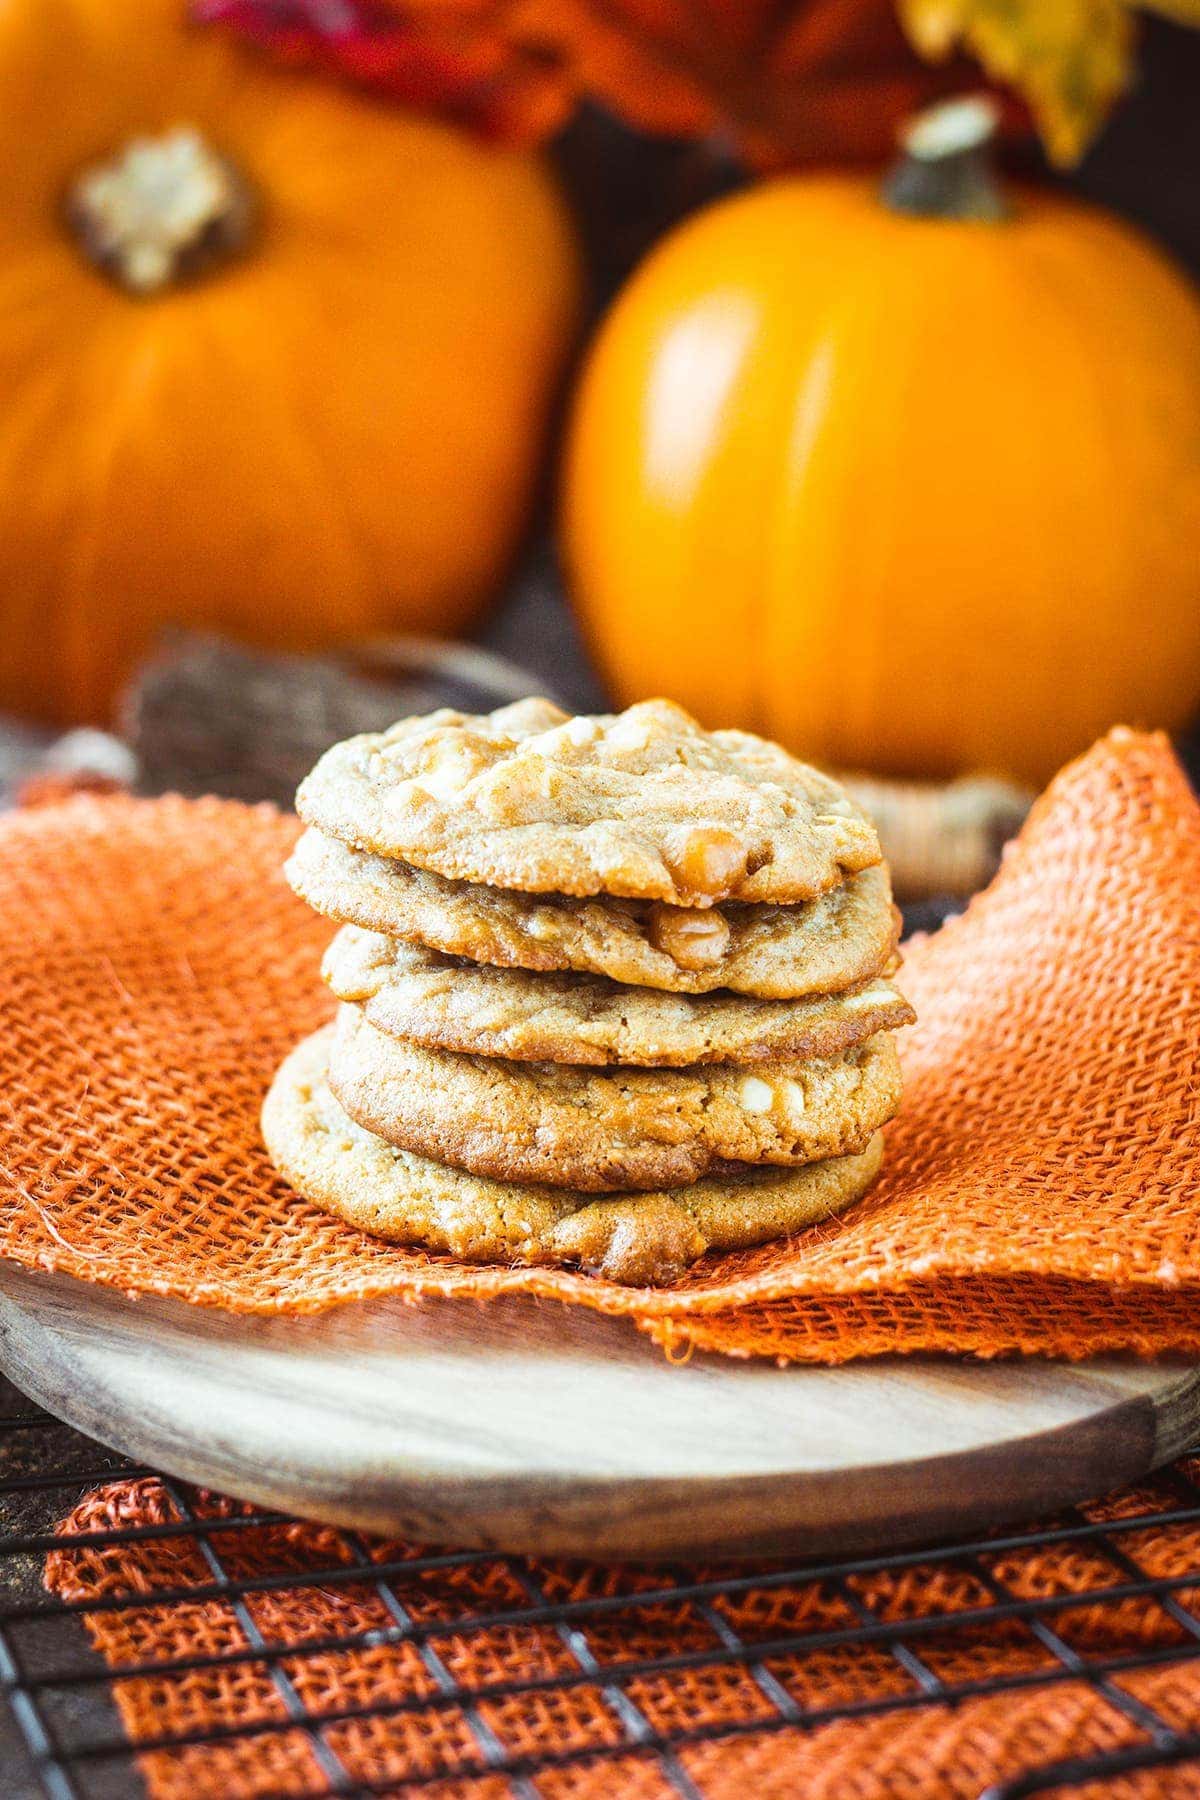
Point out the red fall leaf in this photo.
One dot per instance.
(783, 81)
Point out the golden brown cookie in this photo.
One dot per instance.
(609, 1130)
(444, 1003)
(820, 946)
(639, 1238)
(642, 803)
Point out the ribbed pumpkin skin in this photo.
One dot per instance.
(339, 434)
(912, 495)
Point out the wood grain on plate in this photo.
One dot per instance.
(531, 1426)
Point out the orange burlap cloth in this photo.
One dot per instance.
(1042, 1184)
(803, 1634)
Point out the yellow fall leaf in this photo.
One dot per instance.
(1070, 59)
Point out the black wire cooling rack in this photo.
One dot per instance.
(63, 1735)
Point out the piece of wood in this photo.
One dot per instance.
(530, 1426)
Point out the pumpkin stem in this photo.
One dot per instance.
(945, 169)
(161, 211)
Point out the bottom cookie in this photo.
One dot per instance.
(641, 1239)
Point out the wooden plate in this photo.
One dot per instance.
(532, 1426)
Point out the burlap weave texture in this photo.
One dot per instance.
(1041, 1191)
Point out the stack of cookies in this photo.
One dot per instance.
(614, 990)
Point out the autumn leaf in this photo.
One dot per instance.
(1070, 59)
(439, 56)
(780, 81)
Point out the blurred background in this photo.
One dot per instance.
(831, 366)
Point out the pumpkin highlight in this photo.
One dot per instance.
(303, 401)
(915, 494)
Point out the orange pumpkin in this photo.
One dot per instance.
(285, 372)
(907, 484)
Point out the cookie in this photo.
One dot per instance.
(843, 938)
(609, 1130)
(643, 804)
(640, 1239)
(444, 1003)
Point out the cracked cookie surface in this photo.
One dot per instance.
(443, 1003)
(612, 1129)
(821, 946)
(640, 1239)
(643, 804)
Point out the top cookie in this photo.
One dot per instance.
(642, 804)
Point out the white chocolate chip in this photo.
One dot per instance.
(447, 778)
(576, 732)
(756, 1096)
(794, 1099)
(541, 923)
(629, 734)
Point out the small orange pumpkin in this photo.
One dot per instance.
(282, 368)
(908, 484)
